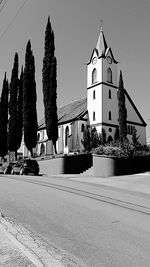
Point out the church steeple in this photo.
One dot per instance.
(101, 43)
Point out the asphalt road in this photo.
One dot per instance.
(83, 219)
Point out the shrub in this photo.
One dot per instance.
(122, 150)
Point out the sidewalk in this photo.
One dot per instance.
(20, 248)
(10, 254)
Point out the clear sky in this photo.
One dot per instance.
(76, 25)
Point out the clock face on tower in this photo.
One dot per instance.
(109, 60)
(94, 60)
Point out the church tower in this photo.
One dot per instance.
(102, 103)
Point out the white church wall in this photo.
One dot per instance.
(98, 67)
(110, 131)
(110, 105)
(95, 104)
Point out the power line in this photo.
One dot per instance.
(11, 22)
(1, 2)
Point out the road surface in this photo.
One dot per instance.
(86, 220)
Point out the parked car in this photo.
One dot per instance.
(26, 166)
(7, 167)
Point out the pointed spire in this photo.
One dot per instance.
(101, 43)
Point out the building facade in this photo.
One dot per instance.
(99, 109)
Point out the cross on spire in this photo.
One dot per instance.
(101, 24)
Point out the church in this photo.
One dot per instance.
(99, 109)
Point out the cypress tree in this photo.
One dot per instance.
(50, 86)
(29, 101)
(86, 139)
(13, 125)
(116, 135)
(122, 110)
(4, 118)
(94, 138)
(135, 138)
(103, 136)
(19, 110)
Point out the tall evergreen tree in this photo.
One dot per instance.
(103, 136)
(19, 110)
(4, 118)
(30, 125)
(116, 135)
(13, 125)
(50, 86)
(86, 139)
(122, 110)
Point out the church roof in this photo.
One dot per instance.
(69, 112)
(101, 44)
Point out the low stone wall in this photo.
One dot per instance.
(104, 166)
(70, 164)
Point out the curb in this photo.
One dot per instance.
(21, 247)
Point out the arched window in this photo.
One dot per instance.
(66, 135)
(94, 116)
(94, 76)
(109, 94)
(94, 95)
(109, 115)
(82, 128)
(38, 137)
(110, 139)
(109, 75)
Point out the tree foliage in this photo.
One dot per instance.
(91, 138)
(13, 125)
(103, 137)
(50, 86)
(122, 110)
(30, 125)
(116, 135)
(4, 118)
(19, 110)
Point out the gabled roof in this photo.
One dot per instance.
(109, 50)
(135, 108)
(69, 112)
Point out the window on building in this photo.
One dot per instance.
(94, 76)
(130, 129)
(109, 75)
(94, 116)
(94, 95)
(38, 137)
(109, 115)
(82, 128)
(109, 94)
(110, 139)
(66, 135)
(59, 131)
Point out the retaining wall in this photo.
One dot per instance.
(110, 166)
(70, 164)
